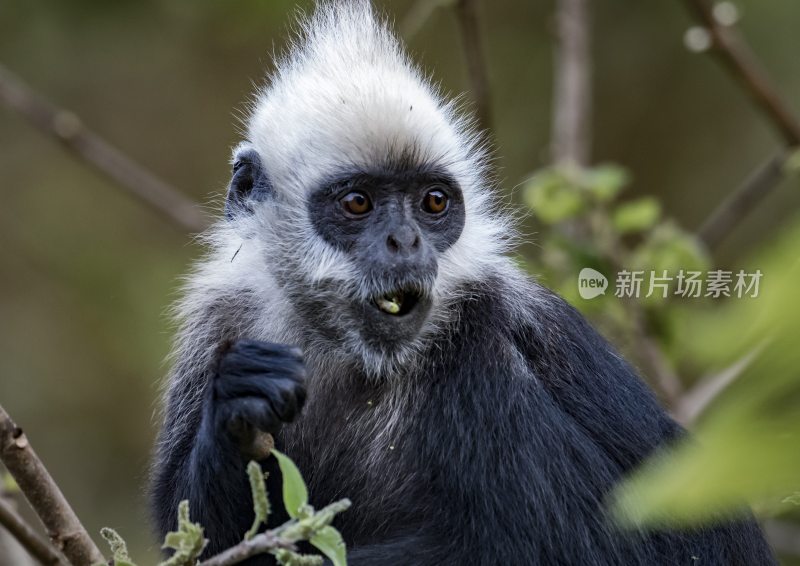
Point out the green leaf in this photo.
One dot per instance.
(295, 492)
(794, 499)
(188, 541)
(119, 549)
(668, 247)
(605, 182)
(258, 489)
(745, 450)
(329, 541)
(553, 197)
(288, 558)
(792, 164)
(637, 215)
(8, 483)
(173, 540)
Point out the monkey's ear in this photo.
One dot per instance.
(249, 184)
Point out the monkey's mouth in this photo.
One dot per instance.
(397, 303)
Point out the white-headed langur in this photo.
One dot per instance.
(358, 304)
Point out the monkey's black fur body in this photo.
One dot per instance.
(522, 422)
(472, 416)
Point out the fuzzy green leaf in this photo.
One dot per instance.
(792, 164)
(794, 499)
(119, 549)
(746, 444)
(295, 492)
(636, 216)
(288, 558)
(260, 500)
(553, 197)
(668, 247)
(188, 541)
(8, 483)
(605, 182)
(329, 541)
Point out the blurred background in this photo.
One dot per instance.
(87, 274)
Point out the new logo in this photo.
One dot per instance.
(591, 283)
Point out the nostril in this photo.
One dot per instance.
(392, 244)
(415, 243)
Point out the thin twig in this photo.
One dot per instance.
(417, 16)
(572, 98)
(467, 15)
(657, 366)
(740, 61)
(67, 128)
(62, 525)
(259, 544)
(692, 403)
(27, 536)
(650, 352)
(783, 537)
(738, 204)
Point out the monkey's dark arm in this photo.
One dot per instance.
(203, 455)
(591, 382)
(599, 390)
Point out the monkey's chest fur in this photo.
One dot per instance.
(470, 437)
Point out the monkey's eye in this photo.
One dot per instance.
(434, 202)
(356, 203)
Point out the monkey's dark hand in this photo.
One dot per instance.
(258, 387)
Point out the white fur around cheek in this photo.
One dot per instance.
(322, 262)
(346, 99)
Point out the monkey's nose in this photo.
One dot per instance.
(404, 241)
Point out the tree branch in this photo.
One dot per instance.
(37, 546)
(692, 404)
(62, 525)
(68, 129)
(742, 64)
(416, 16)
(572, 98)
(783, 536)
(467, 15)
(649, 351)
(738, 204)
(259, 544)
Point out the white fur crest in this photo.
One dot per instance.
(347, 98)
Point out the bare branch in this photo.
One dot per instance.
(649, 350)
(67, 128)
(572, 98)
(419, 13)
(692, 404)
(259, 544)
(742, 64)
(63, 527)
(783, 536)
(738, 204)
(657, 367)
(467, 14)
(27, 536)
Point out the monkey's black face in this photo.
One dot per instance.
(393, 226)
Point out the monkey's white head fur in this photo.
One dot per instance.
(347, 98)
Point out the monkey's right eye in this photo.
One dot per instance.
(356, 203)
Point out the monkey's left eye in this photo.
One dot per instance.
(356, 203)
(435, 202)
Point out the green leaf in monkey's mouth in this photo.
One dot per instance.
(397, 303)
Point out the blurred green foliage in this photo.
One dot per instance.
(87, 274)
(587, 224)
(118, 546)
(746, 447)
(188, 541)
